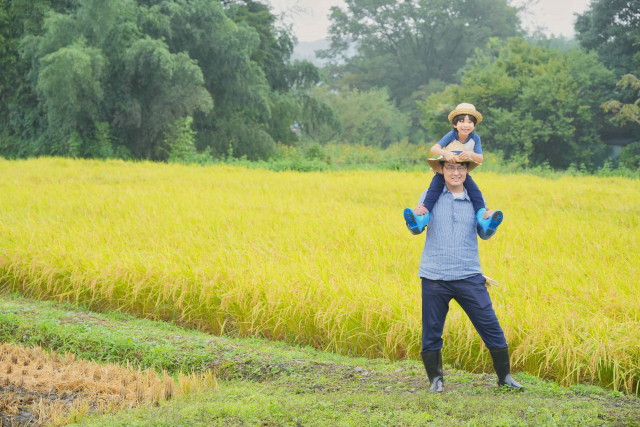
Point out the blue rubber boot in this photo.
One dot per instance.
(416, 223)
(490, 224)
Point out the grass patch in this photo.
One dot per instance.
(276, 384)
(297, 402)
(105, 337)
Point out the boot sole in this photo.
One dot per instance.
(496, 220)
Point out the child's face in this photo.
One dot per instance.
(464, 127)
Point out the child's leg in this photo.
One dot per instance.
(474, 194)
(434, 191)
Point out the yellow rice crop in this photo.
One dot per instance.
(325, 258)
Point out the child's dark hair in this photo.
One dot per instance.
(460, 118)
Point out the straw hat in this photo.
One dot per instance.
(455, 147)
(466, 109)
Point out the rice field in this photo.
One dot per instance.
(324, 259)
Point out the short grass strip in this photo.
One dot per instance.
(276, 384)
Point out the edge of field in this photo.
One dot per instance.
(275, 384)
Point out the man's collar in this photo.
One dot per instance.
(466, 195)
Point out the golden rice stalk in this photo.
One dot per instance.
(168, 386)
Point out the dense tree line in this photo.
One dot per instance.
(539, 104)
(198, 79)
(544, 99)
(411, 47)
(111, 78)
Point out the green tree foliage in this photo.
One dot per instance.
(624, 113)
(164, 88)
(412, 46)
(21, 124)
(181, 142)
(627, 117)
(139, 91)
(69, 84)
(368, 118)
(630, 156)
(612, 28)
(100, 78)
(540, 105)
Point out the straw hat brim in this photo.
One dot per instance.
(456, 147)
(435, 164)
(469, 111)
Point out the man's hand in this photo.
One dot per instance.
(420, 210)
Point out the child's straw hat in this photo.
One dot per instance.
(455, 147)
(465, 109)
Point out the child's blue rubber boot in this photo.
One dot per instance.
(490, 224)
(416, 223)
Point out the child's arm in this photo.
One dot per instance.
(476, 154)
(474, 194)
(434, 191)
(470, 154)
(437, 148)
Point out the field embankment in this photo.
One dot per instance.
(258, 382)
(325, 259)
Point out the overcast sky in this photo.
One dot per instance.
(310, 23)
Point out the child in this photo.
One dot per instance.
(464, 119)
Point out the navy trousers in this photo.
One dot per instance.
(473, 296)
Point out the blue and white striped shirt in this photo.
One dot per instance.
(451, 248)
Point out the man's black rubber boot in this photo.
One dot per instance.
(502, 366)
(432, 361)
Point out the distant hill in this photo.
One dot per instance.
(307, 50)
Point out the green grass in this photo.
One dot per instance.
(274, 404)
(110, 337)
(268, 383)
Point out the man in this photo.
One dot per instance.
(450, 268)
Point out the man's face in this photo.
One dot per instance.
(454, 173)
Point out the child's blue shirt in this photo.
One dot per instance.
(472, 143)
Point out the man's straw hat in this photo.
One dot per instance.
(466, 109)
(455, 147)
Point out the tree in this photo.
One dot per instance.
(101, 78)
(368, 118)
(244, 57)
(70, 86)
(627, 117)
(139, 91)
(539, 104)
(612, 29)
(624, 113)
(630, 156)
(411, 46)
(22, 125)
